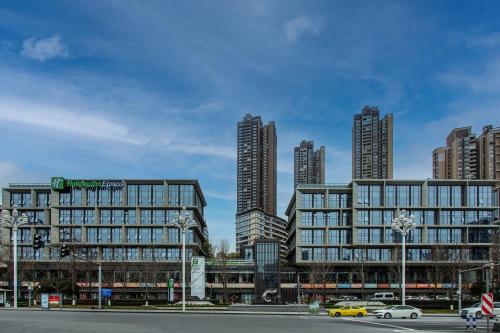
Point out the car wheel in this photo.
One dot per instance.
(479, 315)
(337, 314)
(387, 316)
(413, 316)
(360, 314)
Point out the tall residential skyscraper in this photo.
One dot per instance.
(256, 165)
(309, 165)
(372, 145)
(467, 156)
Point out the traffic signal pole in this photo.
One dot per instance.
(100, 284)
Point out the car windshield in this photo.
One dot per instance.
(477, 305)
(389, 307)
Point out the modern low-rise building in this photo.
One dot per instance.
(346, 230)
(127, 224)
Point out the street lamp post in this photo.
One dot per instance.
(183, 221)
(14, 221)
(404, 225)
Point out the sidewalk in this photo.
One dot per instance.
(207, 311)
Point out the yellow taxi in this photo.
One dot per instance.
(355, 311)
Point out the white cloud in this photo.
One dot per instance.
(488, 41)
(300, 25)
(486, 81)
(62, 120)
(44, 49)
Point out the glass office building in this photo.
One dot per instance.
(120, 222)
(349, 227)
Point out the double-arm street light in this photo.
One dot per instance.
(184, 222)
(404, 225)
(14, 221)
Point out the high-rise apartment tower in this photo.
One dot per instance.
(309, 165)
(256, 165)
(372, 145)
(467, 156)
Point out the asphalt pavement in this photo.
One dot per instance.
(12, 321)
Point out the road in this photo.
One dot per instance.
(112, 322)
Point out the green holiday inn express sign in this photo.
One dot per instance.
(59, 183)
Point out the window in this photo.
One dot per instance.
(480, 196)
(89, 217)
(20, 199)
(369, 195)
(130, 216)
(332, 253)
(132, 235)
(319, 219)
(157, 235)
(333, 219)
(186, 195)
(306, 219)
(132, 254)
(158, 195)
(312, 200)
(173, 235)
(92, 235)
(144, 235)
(132, 195)
(306, 254)
(173, 195)
(337, 200)
(145, 195)
(306, 237)
(91, 197)
(173, 254)
(339, 236)
(43, 199)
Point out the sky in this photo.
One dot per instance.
(154, 89)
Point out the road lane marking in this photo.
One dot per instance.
(380, 324)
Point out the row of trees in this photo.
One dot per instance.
(442, 266)
(67, 275)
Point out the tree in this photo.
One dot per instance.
(322, 273)
(439, 256)
(360, 266)
(495, 258)
(221, 262)
(151, 277)
(395, 269)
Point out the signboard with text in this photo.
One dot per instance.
(198, 277)
(60, 183)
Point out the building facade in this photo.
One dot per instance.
(256, 224)
(256, 165)
(346, 229)
(467, 156)
(126, 224)
(372, 145)
(309, 165)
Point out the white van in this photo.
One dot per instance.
(383, 297)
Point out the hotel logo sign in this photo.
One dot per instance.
(59, 183)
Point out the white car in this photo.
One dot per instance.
(398, 311)
(476, 310)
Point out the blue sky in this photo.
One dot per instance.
(154, 89)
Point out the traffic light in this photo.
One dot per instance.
(37, 242)
(64, 251)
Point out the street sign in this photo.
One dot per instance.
(105, 292)
(44, 301)
(487, 304)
